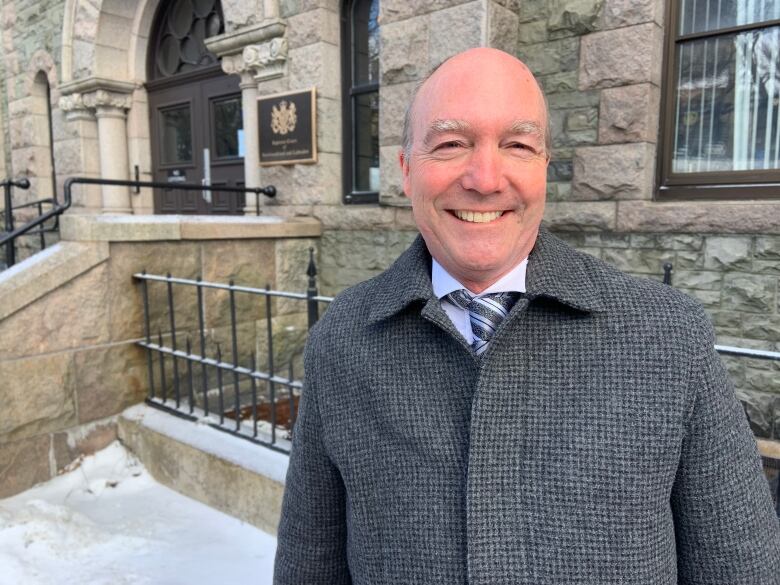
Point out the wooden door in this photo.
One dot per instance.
(197, 130)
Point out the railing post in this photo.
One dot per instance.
(10, 249)
(311, 292)
(668, 273)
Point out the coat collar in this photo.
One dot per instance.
(554, 271)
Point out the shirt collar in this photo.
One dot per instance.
(554, 271)
(444, 283)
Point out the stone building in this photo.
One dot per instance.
(665, 149)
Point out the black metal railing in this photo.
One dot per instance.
(35, 226)
(196, 380)
(268, 191)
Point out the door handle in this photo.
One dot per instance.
(206, 193)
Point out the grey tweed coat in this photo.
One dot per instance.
(597, 441)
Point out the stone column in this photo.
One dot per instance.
(108, 102)
(251, 137)
(112, 138)
(256, 53)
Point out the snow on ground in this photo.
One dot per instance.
(108, 522)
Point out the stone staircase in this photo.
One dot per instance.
(225, 472)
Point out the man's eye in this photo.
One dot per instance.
(522, 149)
(450, 144)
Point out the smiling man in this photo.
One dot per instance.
(497, 408)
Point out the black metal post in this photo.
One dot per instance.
(162, 369)
(10, 248)
(41, 239)
(147, 332)
(234, 339)
(173, 342)
(253, 382)
(668, 273)
(190, 391)
(290, 376)
(271, 387)
(311, 292)
(202, 329)
(219, 386)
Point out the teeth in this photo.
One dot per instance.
(478, 217)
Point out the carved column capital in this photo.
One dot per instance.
(84, 99)
(266, 60)
(256, 53)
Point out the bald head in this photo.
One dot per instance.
(474, 61)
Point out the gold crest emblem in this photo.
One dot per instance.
(283, 118)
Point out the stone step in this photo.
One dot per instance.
(225, 472)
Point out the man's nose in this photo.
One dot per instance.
(484, 172)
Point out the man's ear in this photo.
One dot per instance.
(404, 162)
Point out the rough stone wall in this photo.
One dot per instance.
(69, 360)
(600, 64)
(32, 34)
(737, 280)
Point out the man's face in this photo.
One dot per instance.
(476, 171)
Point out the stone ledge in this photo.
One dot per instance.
(146, 228)
(769, 448)
(41, 273)
(224, 472)
(699, 217)
(580, 215)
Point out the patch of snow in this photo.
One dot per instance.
(256, 458)
(107, 522)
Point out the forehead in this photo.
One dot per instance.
(480, 92)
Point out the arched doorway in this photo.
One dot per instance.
(195, 111)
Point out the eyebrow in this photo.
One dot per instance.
(439, 126)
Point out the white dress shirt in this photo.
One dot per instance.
(444, 283)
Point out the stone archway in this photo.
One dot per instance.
(105, 45)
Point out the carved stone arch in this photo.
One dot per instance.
(35, 134)
(42, 61)
(79, 31)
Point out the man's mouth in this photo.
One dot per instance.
(477, 216)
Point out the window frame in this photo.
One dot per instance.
(713, 185)
(349, 94)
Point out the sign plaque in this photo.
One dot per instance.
(288, 128)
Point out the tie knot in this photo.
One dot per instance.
(502, 301)
(486, 313)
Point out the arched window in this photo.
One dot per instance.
(179, 36)
(43, 140)
(360, 76)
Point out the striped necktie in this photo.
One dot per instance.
(485, 313)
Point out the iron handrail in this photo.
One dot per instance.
(229, 287)
(268, 190)
(56, 210)
(750, 353)
(30, 204)
(11, 234)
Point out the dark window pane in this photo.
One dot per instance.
(365, 42)
(366, 146)
(180, 18)
(228, 125)
(180, 47)
(710, 15)
(726, 112)
(176, 135)
(203, 7)
(168, 55)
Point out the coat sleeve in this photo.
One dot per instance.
(312, 535)
(726, 529)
